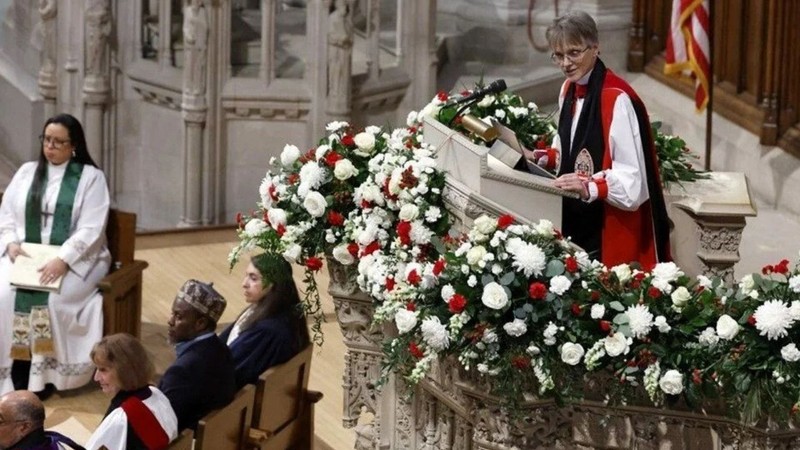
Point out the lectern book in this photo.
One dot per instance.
(25, 271)
(508, 150)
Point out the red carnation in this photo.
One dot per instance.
(782, 267)
(595, 296)
(239, 219)
(366, 204)
(352, 248)
(537, 290)
(335, 218)
(348, 141)
(653, 292)
(442, 96)
(697, 376)
(576, 309)
(605, 325)
(415, 351)
(373, 247)
(504, 221)
(571, 264)
(751, 320)
(413, 278)
(438, 266)
(331, 158)
(768, 269)
(314, 263)
(521, 362)
(411, 306)
(404, 232)
(457, 303)
(281, 229)
(389, 284)
(272, 193)
(292, 179)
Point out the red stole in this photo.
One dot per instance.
(145, 424)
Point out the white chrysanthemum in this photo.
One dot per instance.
(559, 284)
(406, 320)
(530, 259)
(640, 320)
(312, 175)
(598, 311)
(516, 328)
(433, 214)
(372, 129)
(336, 126)
(254, 227)
(773, 319)
(434, 333)
(794, 284)
(708, 337)
(790, 353)
(289, 155)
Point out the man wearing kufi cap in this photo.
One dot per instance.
(202, 377)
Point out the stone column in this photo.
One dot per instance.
(195, 41)
(95, 82)
(48, 11)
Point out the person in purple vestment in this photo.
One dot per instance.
(22, 425)
(272, 328)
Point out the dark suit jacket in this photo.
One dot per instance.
(199, 381)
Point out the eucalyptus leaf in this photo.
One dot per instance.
(520, 313)
(486, 279)
(507, 279)
(527, 307)
(616, 306)
(621, 319)
(554, 267)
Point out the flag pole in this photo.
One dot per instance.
(710, 105)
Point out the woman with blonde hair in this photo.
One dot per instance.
(139, 416)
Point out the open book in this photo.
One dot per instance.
(509, 151)
(25, 273)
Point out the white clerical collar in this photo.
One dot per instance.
(585, 79)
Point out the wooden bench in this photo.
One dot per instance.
(227, 428)
(122, 287)
(185, 441)
(283, 413)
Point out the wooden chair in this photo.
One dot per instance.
(184, 441)
(283, 415)
(122, 287)
(227, 428)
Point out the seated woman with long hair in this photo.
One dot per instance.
(139, 416)
(272, 328)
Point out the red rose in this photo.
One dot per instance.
(639, 276)
(415, 351)
(605, 325)
(442, 96)
(335, 218)
(576, 309)
(411, 306)
(521, 362)
(413, 278)
(438, 266)
(373, 247)
(457, 303)
(504, 221)
(404, 232)
(537, 290)
(412, 130)
(348, 141)
(595, 296)
(314, 263)
(571, 264)
(239, 220)
(697, 377)
(653, 292)
(766, 270)
(352, 248)
(281, 229)
(331, 158)
(389, 284)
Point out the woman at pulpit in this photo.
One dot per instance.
(272, 328)
(61, 200)
(605, 153)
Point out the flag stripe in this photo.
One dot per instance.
(688, 46)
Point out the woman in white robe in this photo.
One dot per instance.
(75, 313)
(139, 416)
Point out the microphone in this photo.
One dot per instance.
(494, 87)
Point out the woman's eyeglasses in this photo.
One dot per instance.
(54, 142)
(572, 55)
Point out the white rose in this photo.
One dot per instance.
(623, 272)
(406, 320)
(254, 227)
(485, 224)
(486, 101)
(320, 152)
(559, 284)
(598, 311)
(671, 382)
(704, 281)
(276, 217)
(475, 255)
(494, 296)
(409, 212)
(447, 292)
(790, 353)
(616, 345)
(341, 254)
(516, 328)
(373, 130)
(544, 228)
(289, 155)
(315, 204)
(571, 353)
(747, 283)
(667, 271)
(727, 328)
(365, 142)
(292, 253)
(344, 169)
(680, 296)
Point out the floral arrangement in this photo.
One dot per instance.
(674, 158)
(518, 305)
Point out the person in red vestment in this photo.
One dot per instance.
(605, 152)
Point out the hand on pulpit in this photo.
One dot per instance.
(574, 183)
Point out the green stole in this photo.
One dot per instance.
(31, 313)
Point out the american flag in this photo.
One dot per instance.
(688, 48)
